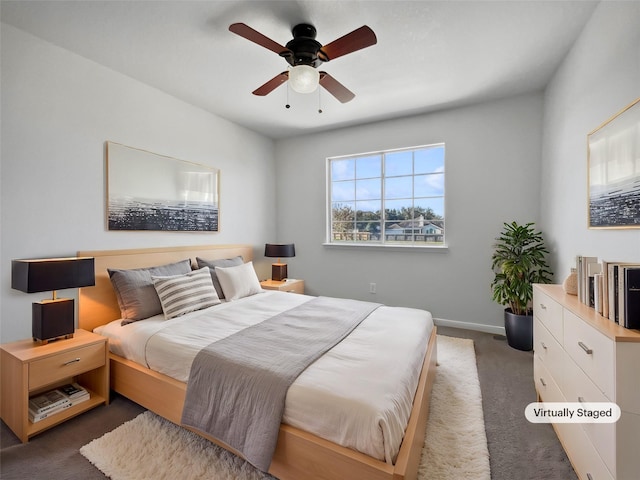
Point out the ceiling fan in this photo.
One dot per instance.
(305, 54)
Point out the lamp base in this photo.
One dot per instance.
(52, 320)
(278, 271)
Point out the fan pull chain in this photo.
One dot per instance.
(319, 101)
(287, 105)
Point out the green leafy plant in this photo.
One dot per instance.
(518, 261)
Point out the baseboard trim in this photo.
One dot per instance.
(469, 326)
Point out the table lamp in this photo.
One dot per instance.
(53, 318)
(279, 250)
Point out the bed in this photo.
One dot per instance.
(299, 454)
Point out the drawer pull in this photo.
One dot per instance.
(587, 350)
(589, 477)
(543, 306)
(75, 360)
(543, 382)
(543, 345)
(581, 399)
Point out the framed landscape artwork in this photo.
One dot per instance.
(614, 171)
(147, 191)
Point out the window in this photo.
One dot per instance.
(393, 197)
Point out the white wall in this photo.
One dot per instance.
(58, 110)
(599, 77)
(492, 176)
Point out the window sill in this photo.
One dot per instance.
(422, 248)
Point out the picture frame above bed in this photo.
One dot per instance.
(614, 171)
(148, 191)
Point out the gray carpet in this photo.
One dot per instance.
(518, 449)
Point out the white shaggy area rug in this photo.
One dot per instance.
(149, 447)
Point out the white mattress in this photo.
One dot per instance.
(358, 395)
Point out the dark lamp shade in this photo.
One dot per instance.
(279, 250)
(47, 274)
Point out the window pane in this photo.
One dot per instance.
(343, 169)
(398, 163)
(399, 209)
(433, 206)
(429, 160)
(428, 185)
(368, 231)
(398, 187)
(368, 210)
(343, 211)
(369, 167)
(342, 232)
(343, 191)
(368, 189)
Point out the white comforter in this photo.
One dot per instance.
(358, 395)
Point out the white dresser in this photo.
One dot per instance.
(580, 356)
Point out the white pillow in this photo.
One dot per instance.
(239, 281)
(180, 294)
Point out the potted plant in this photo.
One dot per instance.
(518, 261)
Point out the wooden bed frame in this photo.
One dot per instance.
(298, 454)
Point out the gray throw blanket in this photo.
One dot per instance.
(237, 386)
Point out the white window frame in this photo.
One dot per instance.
(382, 242)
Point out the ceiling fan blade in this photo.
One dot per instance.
(272, 84)
(335, 88)
(358, 39)
(256, 37)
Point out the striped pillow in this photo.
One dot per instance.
(180, 294)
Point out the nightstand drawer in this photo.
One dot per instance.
(65, 364)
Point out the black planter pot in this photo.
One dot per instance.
(519, 330)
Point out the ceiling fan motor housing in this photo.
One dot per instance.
(304, 49)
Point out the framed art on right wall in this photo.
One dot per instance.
(614, 171)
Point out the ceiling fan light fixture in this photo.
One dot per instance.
(304, 78)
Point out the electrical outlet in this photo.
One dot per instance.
(372, 288)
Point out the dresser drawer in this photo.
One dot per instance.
(586, 461)
(592, 351)
(66, 364)
(549, 350)
(549, 312)
(579, 388)
(546, 386)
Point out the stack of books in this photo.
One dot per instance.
(611, 288)
(53, 401)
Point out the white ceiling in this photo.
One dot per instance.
(430, 54)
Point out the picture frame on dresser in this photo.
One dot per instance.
(614, 171)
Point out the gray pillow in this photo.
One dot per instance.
(137, 297)
(212, 264)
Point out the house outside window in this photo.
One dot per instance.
(393, 197)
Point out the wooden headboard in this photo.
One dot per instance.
(98, 305)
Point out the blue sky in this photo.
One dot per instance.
(409, 173)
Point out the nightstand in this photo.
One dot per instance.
(28, 369)
(290, 285)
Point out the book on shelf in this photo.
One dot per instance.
(73, 390)
(598, 293)
(582, 269)
(48, 401)
(593, 269)
(629, 296)
(37, 416)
